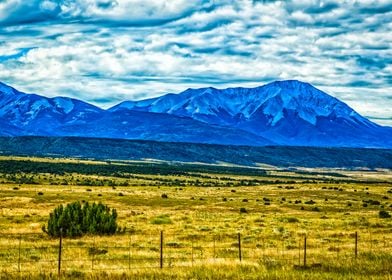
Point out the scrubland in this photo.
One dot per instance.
(197, 221)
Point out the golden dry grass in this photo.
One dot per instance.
(201, 224)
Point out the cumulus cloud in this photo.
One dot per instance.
(106, 51)
(115, 12)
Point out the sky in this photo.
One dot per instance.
(108, 51)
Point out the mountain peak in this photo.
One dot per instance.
(289, 112)
(272, 99)
(295, 87)
(291, 83)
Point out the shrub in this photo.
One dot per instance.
(164, 196)
(161, 220)
(292, 220)
(174, 244)
(374, 202)
(310, 202)
(243, 210)
(384, 214)
(76, 219)
(96, 251)
(204, 228)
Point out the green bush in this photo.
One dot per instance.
(161, 220)
(292, 220)
(76, 219)
(384, 214)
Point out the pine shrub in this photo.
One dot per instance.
(76, 219)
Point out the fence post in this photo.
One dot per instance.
(239, 247)
(371, 243)
(214, 247)
(60, 252)
(305, 250)
(192, 251)
(161, 251)
(93, 255)
(356, 243)
(129, 253)
(20, 241)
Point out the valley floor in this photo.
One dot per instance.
(197, 221)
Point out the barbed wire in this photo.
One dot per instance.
(139, 251)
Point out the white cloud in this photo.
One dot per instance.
(106, 51)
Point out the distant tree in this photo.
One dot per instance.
(76, 219)
(384, 214)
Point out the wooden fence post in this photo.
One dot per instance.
(161, 251)
(305, 250)
(192, 251)
(214, 247)
(60, 252)
(19, 248)
(239, 247)
(129, 252)
(93, 255)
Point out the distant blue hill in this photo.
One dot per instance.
(280, 113)
(179, 153)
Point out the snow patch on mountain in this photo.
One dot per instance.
(63, 103)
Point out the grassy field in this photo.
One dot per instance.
(204, 212)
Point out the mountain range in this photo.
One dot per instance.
(289, 113)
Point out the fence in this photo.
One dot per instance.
(36, 252)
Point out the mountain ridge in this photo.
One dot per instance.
(282, 112)
(286, 112)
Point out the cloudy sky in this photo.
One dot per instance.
(107, 51)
